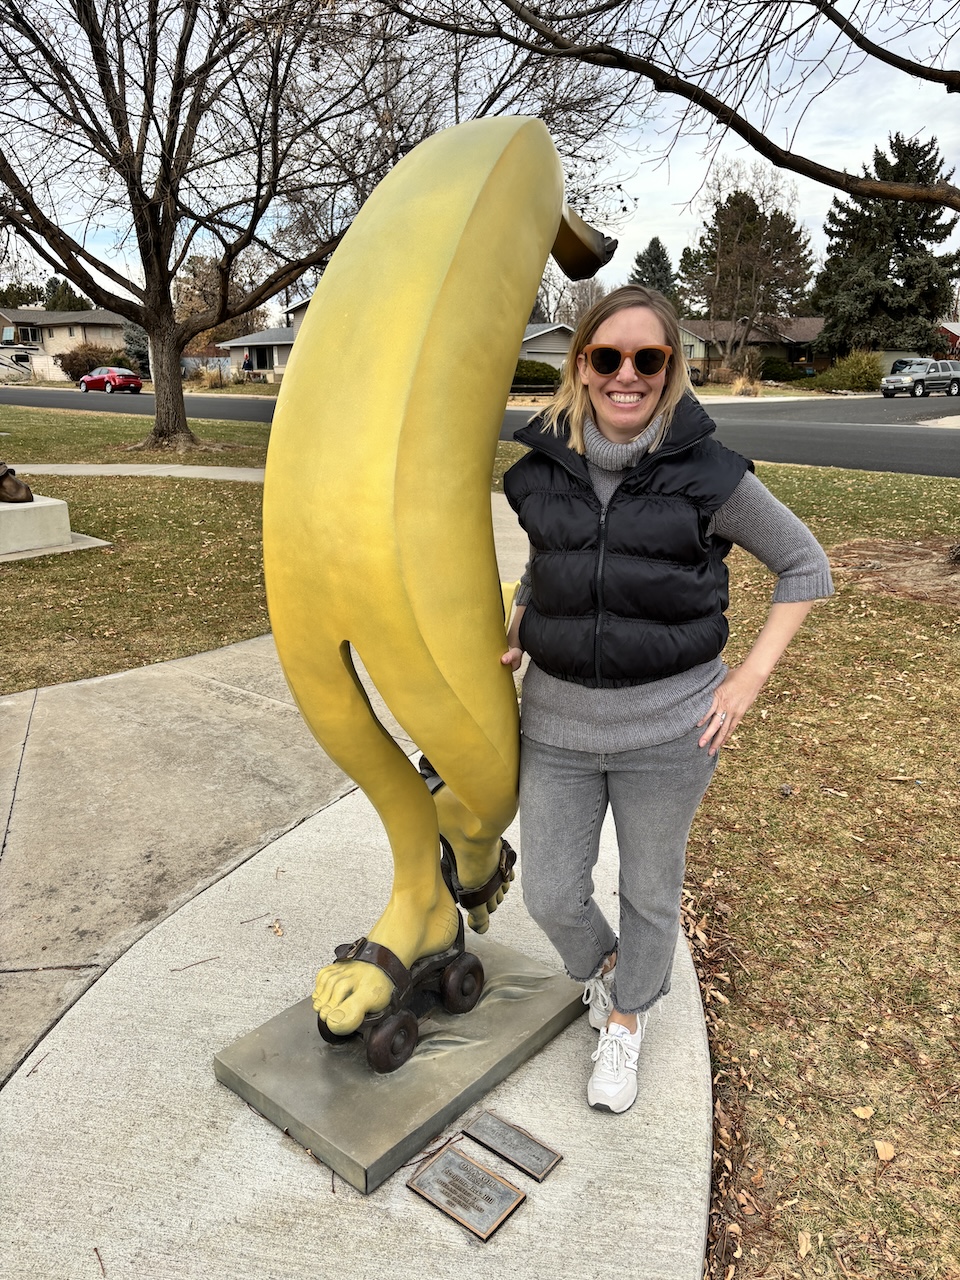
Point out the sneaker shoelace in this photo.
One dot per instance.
(595, 994)
(611, 1053)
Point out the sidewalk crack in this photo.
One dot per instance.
(51, 968)
(16, 780)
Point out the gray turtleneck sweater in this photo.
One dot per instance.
(563, 714)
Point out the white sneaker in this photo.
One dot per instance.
(613, 1085)
(596, 994)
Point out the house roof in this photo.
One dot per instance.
(950, 326)
(38, 316)
(534, 330)
(801, 329)
(265, 338)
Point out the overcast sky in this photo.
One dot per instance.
(841, 130)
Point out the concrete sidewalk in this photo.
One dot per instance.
(179, 859)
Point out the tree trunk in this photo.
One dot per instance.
(170, 430)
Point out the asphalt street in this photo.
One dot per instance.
(865, 433)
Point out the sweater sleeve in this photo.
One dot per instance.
(524, 591)
(757, 521)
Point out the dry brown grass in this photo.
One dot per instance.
(183, 574)
(822, 880)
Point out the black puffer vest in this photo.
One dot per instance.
(639, 592)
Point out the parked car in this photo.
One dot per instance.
(920, 377)
(110, 380)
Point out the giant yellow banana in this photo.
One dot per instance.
(377, 527)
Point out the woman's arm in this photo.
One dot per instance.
(754, 519)
(733, 698)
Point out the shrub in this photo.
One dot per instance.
(859, 371)
(536, 373)
(88, 356)
(744, 387)
(723, 375)
(774, 370)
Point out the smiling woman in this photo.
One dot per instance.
(631, 508)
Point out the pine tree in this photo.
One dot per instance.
(20, 294)
(748, 264)
(60, 295)
(652, 267)
(882, 287)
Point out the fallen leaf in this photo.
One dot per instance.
(803, 1243)
(863, 1113)
(885, 1150)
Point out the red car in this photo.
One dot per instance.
(110, 380)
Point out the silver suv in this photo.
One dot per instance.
(920, 377)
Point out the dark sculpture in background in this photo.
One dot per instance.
(12, 489)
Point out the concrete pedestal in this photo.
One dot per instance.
(26, 526)
(40, 527)
(364, 1125)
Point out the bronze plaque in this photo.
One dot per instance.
(513, 1144)
(473, 1195)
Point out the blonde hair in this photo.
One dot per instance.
(571, 403)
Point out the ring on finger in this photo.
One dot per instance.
(722, 715)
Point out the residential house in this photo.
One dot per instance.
(548, 343)
(790, 340)
(269, 350)
(39, 335)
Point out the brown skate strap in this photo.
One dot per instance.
(375, 954)
(477, 897)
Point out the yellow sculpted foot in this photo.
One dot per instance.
(481, 873)
(348, 990)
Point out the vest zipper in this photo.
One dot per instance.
(602, 547)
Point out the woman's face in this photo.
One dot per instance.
(624, 403)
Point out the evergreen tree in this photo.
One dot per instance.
(20, 294)
(137, 347)
(60, 295)
(750, 263)
(882, 287)
(652, 267)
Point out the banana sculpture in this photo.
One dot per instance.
(377, 529)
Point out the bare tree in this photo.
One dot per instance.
(749, 67)
(578, 297)
(141, 133)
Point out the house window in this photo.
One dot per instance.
(71, 332)
(262, 357)
(688, 350)
(49, 333)
(6, 335)
(29, 333)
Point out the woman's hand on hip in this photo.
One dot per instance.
(733, 698)
(731, 701)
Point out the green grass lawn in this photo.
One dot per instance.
(67, 435)
(821, 897)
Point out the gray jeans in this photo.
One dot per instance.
(653, 793)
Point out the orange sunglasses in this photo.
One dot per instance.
(607, 360)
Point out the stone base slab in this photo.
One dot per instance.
(78, 542)
(364, 1125)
